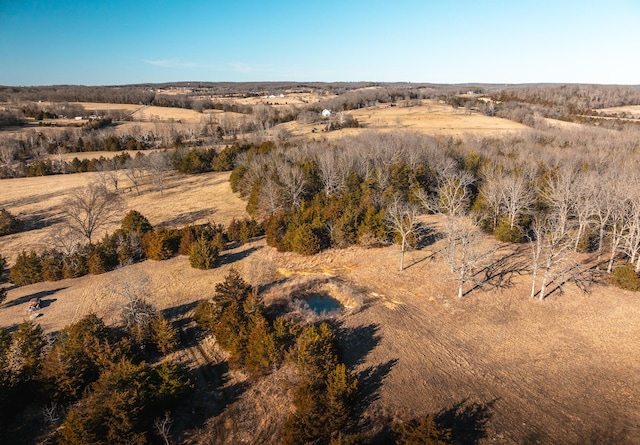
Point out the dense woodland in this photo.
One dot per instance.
(569, 197)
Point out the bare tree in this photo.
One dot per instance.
(491, 192)
(403, 220)
(467, 255)
(158, 164)
(516, 195)
(67, 240)
(559, 193)
(293, 182)
(8, 151)
(585, 207)
(618, 229)
(135, 172)
(271, 201)
(631, 244)
(550, 251)
(137, 313)
(110, 170)
(333, 172)
(162, 426)
(452, 201)
(50, 413)
(90, 208)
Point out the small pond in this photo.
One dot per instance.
(322, 304)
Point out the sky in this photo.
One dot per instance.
(114, 42)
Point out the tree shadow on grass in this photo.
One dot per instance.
(40, 220)
(467, 421)
(230, 258)
(211, 396)
(26, 298)
(370, 381)
(187, 218)
(499, 273)
(357, 342)
(175, 312)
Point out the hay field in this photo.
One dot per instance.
(154, 113)
(101, 107)
(429, 118)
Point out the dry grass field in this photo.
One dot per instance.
(429, 118)
(632, 111)
(186, 199)
(497, 365)
(503, 367)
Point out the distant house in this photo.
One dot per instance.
(326, 113)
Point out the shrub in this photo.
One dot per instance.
(188, 236)
(262, 351)
(25, 353)
(3, 264)
(163, 334)
(236, 177)
(75, 265)
(315, 353)
(203, 254)
(625, 277)
(168, 383)
(276, 231)
(504, 232)
(8, 223)
(135, 222)
(103, 258)
(160, 244)
(243, 230)
(206, 315)
(26, 270)
(52, 265)
(111, 413)
(306, 241)
(76, 358)
(225, 160)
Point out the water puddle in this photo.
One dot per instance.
(322, 304)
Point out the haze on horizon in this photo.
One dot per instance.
(460, 41)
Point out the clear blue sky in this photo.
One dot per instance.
(110, 42)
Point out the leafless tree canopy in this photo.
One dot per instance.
(90, 208)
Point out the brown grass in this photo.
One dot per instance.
(559, 371)
(429, 118)
(631, 110)
(154, 113)
(187, 199)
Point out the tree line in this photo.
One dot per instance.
(556, 191)
(135, 241)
